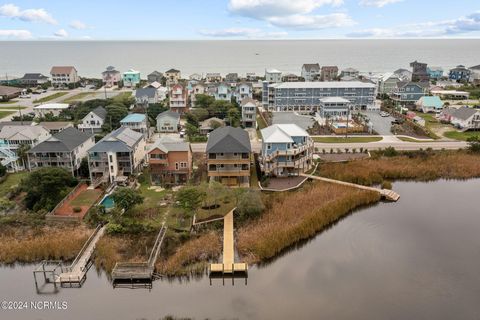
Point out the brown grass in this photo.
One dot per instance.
(298, 216)
(434, 165)
(26, 244)
(192, 256)
(122, 248)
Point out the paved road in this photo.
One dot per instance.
(389, 141)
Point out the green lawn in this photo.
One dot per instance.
(86, 198)
(151, 197)
(77, 97)
(347, 140)
(120, 97)
(9, 102)
(463, 136)
(4, 114)
(13, 107)
(12, 180)
(51, 97)
(261, 124)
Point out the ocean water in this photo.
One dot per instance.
(91, 57)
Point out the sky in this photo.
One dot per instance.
(237, 19)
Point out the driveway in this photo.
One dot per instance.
(380, 124)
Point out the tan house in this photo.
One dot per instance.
(170, 162)
(178, 99)
(172, 76)
(228, 156)
(62, 76)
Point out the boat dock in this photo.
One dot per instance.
(387, 194)
(228, 266)
(74, 274)
(139, 271)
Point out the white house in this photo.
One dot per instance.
(52, 108)
(168, 121)
(63, 76)
(466, 118)
(93, 121)
(310, 71)
(273, 75)
(243, 91)
(249, 113)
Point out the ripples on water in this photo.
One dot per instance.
(415, 259)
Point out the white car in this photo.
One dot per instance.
(384, 114)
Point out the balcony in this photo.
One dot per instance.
(232, 172)
(291, 151)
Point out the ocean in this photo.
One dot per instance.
(92, 57)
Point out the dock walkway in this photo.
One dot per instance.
(228, 266)
(140, 271)
(388, 194)
(79, 267)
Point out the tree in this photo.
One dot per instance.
(215, 124)
(3, 170)
(219, 109)
(154, 109)
(474, 144)
(83, 170)
(115, 113)
(45, 187)
(199, 113)
(250, 204)
(22, 153)
(126, 198)
(203, 101)
(234, 117)
(191, 130)
(190, 198)
(191, 119)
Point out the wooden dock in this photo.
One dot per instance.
(139, 271)
(75, 274)
(387, 194)
(228, 266)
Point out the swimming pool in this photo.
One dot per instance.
(107, 202)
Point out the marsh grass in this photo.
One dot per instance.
(192, 256)
(30, 244)
(297, 216)
(418, 166)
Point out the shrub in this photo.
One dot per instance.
(249, 204)
(77, 209)
(386, 185)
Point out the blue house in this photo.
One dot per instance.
(435, 72)
(459, 73)
(287, 150)
(429, 104)
(408, 93)
(136, 122)
(131, 78)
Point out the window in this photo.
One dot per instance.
(176, 165)
(183, 165)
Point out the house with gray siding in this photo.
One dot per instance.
(408, 93)
(168, 121)
(305, 97)
(287, 150)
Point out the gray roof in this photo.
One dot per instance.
(15, 123)
(33, 76)
(170, 114)
(120, 140)
(464, 113)
(64, 141)
(172, 71)
(311, 67)
(155, 73)
(168, 144)
(228, 140)
(422, 85)
(142, 92)
(100, 112)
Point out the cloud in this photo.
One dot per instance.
(16, 34)
(77, 24)
(377, 3)
(33, 15)
(432, 29)
(260, 9)
(334, 20)
(293, 14)
(61, 33)
(241, 33)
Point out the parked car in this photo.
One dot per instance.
(384, 114)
